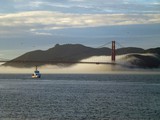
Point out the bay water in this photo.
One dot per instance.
(80, 97)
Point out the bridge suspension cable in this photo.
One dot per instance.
(120, 45)
(105, 44)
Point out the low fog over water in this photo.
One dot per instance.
(122, 66)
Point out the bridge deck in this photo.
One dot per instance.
(59, 62)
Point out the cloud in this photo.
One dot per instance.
(86, 6)
(41, 33)
(39, 4)
(75, 20)
(77, 0)
(47, 20)
(82, 6)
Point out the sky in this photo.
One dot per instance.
(27, 25)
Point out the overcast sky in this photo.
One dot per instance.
(27, 25)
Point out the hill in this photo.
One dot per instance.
(77, 52)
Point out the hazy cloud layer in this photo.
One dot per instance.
(47, 20)
(83, 6)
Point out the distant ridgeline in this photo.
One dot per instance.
(137, 57)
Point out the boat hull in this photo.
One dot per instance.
(36, 76)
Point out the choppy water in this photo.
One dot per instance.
(80, 97)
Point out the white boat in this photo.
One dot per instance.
(36, 74)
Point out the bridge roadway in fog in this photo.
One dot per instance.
(57, 62)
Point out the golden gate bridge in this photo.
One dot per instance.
(112, 62)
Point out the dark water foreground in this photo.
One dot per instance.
(80, 97)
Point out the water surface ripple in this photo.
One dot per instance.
(80, 97)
